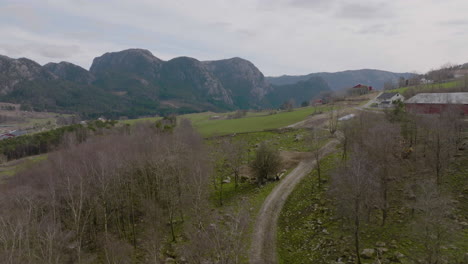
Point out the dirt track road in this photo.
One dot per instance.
(263, 248)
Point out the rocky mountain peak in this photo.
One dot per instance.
(140, 61)
(242, 77)
(70, 72)
(14, 71)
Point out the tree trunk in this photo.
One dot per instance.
(317, 161)
(356, 230)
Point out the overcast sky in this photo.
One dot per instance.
(279, 36)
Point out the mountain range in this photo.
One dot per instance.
(344, 79)
(134, 83)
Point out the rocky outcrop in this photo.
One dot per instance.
(70, 72)
(15, 71)
(242, 78)
(138, 61)
(187, 75)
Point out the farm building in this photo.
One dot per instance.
(387, 99)
(436, 103)
(12, 134)
(361, 89)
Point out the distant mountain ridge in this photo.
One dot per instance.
(134, 83)
(344, 79)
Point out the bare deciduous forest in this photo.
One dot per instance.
(116, 199)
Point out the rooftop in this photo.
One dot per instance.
(439, 98)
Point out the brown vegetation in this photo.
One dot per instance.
(117, 198)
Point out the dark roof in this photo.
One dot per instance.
(18, 133)
(360, 86)
(386, 96)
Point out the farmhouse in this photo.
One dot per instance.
(387, 99)
(436, 103)
(361, 89)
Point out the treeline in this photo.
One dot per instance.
(120, 198)
(394, 173)
(43, 142)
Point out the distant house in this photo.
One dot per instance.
(317, 102)
(388, 99)
(436, 103)
(460, 73)
(6, 136)
(12, 134)
(360, 89)
(425, 81)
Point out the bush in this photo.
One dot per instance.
(266, 164)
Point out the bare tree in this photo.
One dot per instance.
(353, 187)
(235, 151)
(315, 142)
(219, 239)
(432, 225)
(333, 119)
(383, 146)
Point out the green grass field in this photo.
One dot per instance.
(253, 122)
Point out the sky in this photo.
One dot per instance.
(279, 36)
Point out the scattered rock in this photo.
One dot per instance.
(380, 244)
(227, 180)
(397, 256)
(170, 261)
(368, 253)
(298, 138)
(382, 250)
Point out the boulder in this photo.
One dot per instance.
(298, 138)
(380, 244)
(368, 253)
(396, 257)
(382, 250)
(227, 180)
(170, 261)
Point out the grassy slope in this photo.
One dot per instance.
(308, 213)
(307, 232)
(254, 121)
(15, 166)
(450, 84)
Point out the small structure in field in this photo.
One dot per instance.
(388, 99)
(436, 103)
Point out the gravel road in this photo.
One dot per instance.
(263, 248)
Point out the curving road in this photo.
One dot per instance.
(263, 248)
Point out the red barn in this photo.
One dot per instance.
(436, 103)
